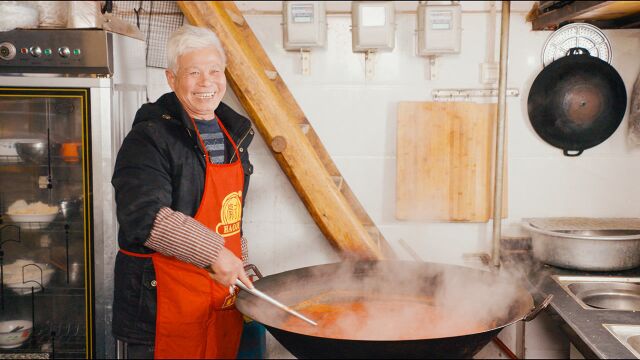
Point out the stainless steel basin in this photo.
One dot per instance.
(591, 250)
(608, 295)
(601, 233)
(628, 335)
(603, 293)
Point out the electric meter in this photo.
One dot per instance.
(305, 24)
(373, 25)
(439, 29)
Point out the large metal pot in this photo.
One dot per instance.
(591, 250)
(577, 102)
(475, 289)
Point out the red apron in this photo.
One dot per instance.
(196, 316)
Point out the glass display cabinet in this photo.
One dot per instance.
(46, 244)
(67, 99)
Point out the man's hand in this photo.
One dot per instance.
(228, 268)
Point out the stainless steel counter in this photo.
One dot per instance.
(585, 327)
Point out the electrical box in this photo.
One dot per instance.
(305, 24)
(373, 25)
(439, 29)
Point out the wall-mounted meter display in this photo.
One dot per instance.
(439, 29)
(305, 24)
(373, 25)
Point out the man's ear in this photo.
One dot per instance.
(171, 79)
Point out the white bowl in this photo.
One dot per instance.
(13, 276)
(12, 339)
(24, 288)
(32, 221)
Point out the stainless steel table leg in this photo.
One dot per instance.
(520, 340)
(121, 350)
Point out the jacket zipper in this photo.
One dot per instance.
(240, 143)
(199, 149)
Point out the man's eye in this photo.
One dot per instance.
(194, 73)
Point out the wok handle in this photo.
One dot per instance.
(255, 270)
(272, 301)
(536, 310)
(578, 51)
(569, 153)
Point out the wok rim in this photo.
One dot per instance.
(522, 292)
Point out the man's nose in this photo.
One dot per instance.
(206, 79)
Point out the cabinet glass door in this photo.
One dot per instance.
(46, 300)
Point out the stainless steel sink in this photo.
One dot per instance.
(602, 292)
(628, 335)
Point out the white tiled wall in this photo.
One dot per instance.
(356, 120)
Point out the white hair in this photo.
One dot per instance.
(188, 38)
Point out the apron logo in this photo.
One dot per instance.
(230, 215)
(229, 301)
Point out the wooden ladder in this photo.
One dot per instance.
(284, 127)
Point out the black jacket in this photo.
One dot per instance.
(161, 164)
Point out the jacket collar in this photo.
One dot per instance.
(235, 123)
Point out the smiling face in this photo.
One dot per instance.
(199, 82)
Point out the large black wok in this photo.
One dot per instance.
(478, 294)
(577, 102)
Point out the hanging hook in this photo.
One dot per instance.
(108, 7)
(9, 226)
(33, 281)
(137, 12)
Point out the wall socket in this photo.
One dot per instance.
(489, 73)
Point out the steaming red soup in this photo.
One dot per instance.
(380, 320)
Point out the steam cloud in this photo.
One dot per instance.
(397, 300)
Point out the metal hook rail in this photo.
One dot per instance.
(467, 94)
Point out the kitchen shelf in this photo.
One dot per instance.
(52, 341)
(56, 162)
(54, 226)
(9, 159)
(550, 15)
(52, 290)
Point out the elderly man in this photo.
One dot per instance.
(180, 181)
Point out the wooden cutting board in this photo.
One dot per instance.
(444, 161)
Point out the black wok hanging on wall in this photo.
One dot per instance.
(577, 102)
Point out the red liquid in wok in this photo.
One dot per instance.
(380, 320)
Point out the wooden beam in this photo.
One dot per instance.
(297, 114)
(603, 14)
(627, 22)
(552, 19)
(611, 11)
(284, 127)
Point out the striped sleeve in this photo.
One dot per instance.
(181, 236)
